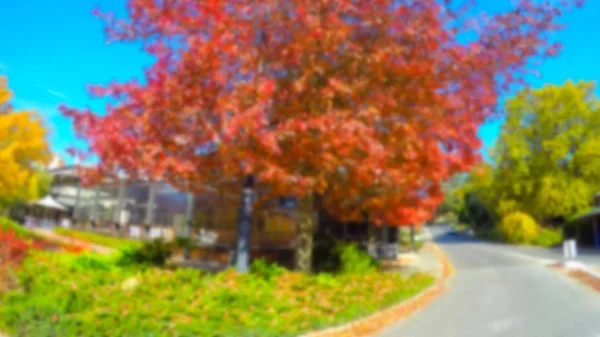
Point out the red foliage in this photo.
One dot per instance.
(370, 103)
(13, 249)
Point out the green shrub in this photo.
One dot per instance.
(61, 296)
(354, 260)
(341, 257)
(325, 257)
(154, 253)
(99, 239)
(518, 228)
(264, 269)
(548, 237)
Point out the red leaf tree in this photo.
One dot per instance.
(369, 104)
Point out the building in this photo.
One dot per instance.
(152, 209)
(145, 209)
(585, 228)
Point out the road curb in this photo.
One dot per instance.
(370, 325)
(574, 265)
(579, 272)
(447, 267)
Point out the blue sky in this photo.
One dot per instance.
(51, 50)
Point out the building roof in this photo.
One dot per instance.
(56, 162)
(49, 202)
(585, 214)
(62, 171)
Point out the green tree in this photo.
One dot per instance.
(454, 190)
(479, 197)
(547, 158)
(470, 197)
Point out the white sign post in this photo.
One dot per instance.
(573, 248)
(569, 251)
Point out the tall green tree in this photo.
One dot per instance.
(547, 158)
(454, 194)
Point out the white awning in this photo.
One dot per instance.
(49, 202)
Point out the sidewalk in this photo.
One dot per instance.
(426, 260)
(65, 240)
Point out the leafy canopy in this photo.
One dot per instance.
(370, 103)
(23, 151)
(546, 161)
(547, 153)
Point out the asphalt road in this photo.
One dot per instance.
(501, 291)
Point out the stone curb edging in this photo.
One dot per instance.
(586, 269)
(376, 322)
(447, 267)
(578, 271)
(578, 266)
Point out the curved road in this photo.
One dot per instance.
(499, 291)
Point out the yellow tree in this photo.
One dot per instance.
(23, 150)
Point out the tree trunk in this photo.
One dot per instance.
(307, 221)
(244, 226)
(304, 244)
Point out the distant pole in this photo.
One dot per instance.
(244, 226)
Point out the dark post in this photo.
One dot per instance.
(244, 225)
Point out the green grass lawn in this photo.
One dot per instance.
(89, 295)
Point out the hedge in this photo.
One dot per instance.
(92, 296)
